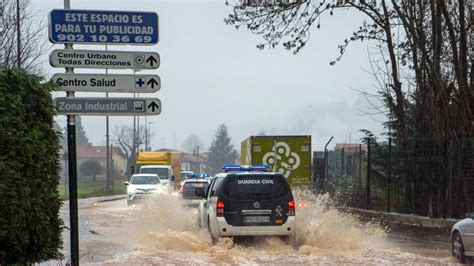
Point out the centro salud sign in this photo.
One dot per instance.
(103, 27)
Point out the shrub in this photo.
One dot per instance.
(30, 226)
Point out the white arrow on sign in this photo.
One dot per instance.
(107, 83)
(104, 59)
(108, 106)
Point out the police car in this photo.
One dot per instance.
(248, 201)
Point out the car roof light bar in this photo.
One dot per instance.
(245, 168)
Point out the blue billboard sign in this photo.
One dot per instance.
(103, 27)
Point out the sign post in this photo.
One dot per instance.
(71, 147)
(98, 27)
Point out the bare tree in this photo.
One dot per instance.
(425, 77)
(191, 143)
(123, 135)
(33, 42)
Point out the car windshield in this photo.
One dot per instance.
(145, 180)
(163, 173)
(256, 187)
(185, 175)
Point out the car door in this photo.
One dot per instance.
(468, 233)
(211, 204)
(204, 205)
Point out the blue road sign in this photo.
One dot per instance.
(103, 27)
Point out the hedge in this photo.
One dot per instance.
(30, 226)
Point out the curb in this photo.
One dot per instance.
(408, 219)
(112, 199)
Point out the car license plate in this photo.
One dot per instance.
(256, 219)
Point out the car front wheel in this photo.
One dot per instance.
(458, 247)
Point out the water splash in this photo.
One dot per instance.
(164, 229)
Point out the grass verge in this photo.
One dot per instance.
(93, 190)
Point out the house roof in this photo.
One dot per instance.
(192, 158)
(95, 151)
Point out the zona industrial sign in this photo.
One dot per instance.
(101, 26)
(108, 106)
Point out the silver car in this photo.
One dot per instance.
(462, 238)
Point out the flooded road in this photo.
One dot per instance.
(162, 230)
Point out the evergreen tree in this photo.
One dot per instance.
(81, 137)
(221, 151)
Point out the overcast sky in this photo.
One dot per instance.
(212, 73)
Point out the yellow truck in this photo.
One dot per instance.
(166, 164)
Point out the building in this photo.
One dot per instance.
(118, 164)
(193, 162)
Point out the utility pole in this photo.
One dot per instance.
(146, 134)
(368, 196)
(138, 129)
(107, 151)
(149, 135)
(198, 164)
(71, 143)
(18, 34)
(134, 150)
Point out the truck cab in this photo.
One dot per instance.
(165, 164)
(164, 172)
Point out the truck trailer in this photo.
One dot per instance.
(288, 155)
(166, 164)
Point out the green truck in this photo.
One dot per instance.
(288, 155)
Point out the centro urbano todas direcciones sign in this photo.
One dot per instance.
(108, 106)
(102, 26)
(104, 59)
(107, 82)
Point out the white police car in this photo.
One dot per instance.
(247, 201)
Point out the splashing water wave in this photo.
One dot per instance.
(164, 230)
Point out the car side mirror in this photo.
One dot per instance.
(126, 183)
(199, 192)
(172, 178)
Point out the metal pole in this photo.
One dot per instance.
(368, 175)
(71, 143)
(342, 162)
(149, 135)
(360, 167)
(138, 129)
(18, 34)
(146, 134)
(107, 164)
(326, 162)
(198, 164)
(134, 151)
(111, 171)
(389, 173)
